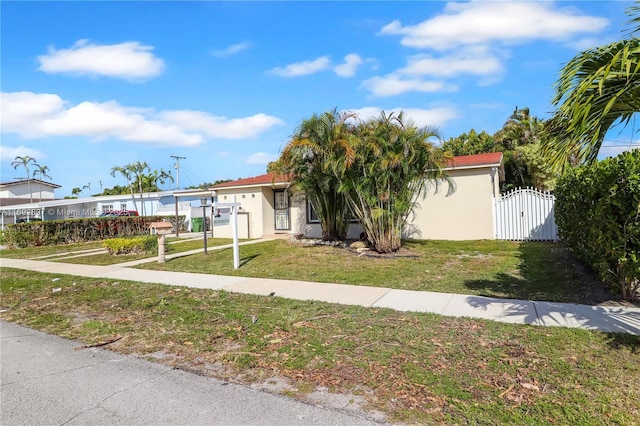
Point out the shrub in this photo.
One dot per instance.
(50, 232)
(135, 245)
(598, 217)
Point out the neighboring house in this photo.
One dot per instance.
(17, 192)
(153, 203)
(466, 214)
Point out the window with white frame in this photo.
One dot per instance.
(312, 216)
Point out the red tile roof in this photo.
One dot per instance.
(477, 160)
(488, 159)
(267, 179)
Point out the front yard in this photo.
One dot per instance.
(516, 270)
(412, 368)
(408, 367)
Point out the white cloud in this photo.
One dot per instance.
(33, 115)
(437, 117)
(351, 63)
(129, 60)
(477, 60)
(9, 153)
(483, 22)
(221, 127)
(393, 84)
(231, 50)
(22, 111)
(261, 158)
(586, 43)
(616, 149)
(303, 68)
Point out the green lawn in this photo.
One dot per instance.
(59, 253)
(415, 368)
(171, 248)
(520, 270)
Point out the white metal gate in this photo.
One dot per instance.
(525, 214)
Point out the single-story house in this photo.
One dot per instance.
(269, 208)
(26, 190)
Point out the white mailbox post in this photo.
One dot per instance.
(234, 228)
(160, 229)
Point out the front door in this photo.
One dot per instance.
(281, 203)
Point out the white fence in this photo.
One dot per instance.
(525, 215)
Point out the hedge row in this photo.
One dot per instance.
(50, 232)
(598, 216)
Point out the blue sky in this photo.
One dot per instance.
(91, 85)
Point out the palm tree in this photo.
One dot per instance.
(597, 90)
(306, 160)
(393, 164)
(24, 161)
(126, 173)
(42, 171)
(519, 140)
(151, 180)
(138, 170)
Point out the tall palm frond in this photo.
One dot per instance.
(25, 161)
(394, 164)
(597, 90)
(307, 160)
(42, 172)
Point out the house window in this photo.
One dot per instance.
(312, 216)
(281, 206)
(107, 208)
(123, 206)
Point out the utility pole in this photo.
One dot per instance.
(177, 167)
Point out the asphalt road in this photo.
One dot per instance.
(46, 382)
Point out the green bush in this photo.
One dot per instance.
(598, 216)
(50, 232)
(132, 245)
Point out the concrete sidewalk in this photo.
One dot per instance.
(602, 318)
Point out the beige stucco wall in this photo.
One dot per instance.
(467, 214)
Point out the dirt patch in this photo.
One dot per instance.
(592, 291)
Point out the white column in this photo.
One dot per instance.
(234, 229)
